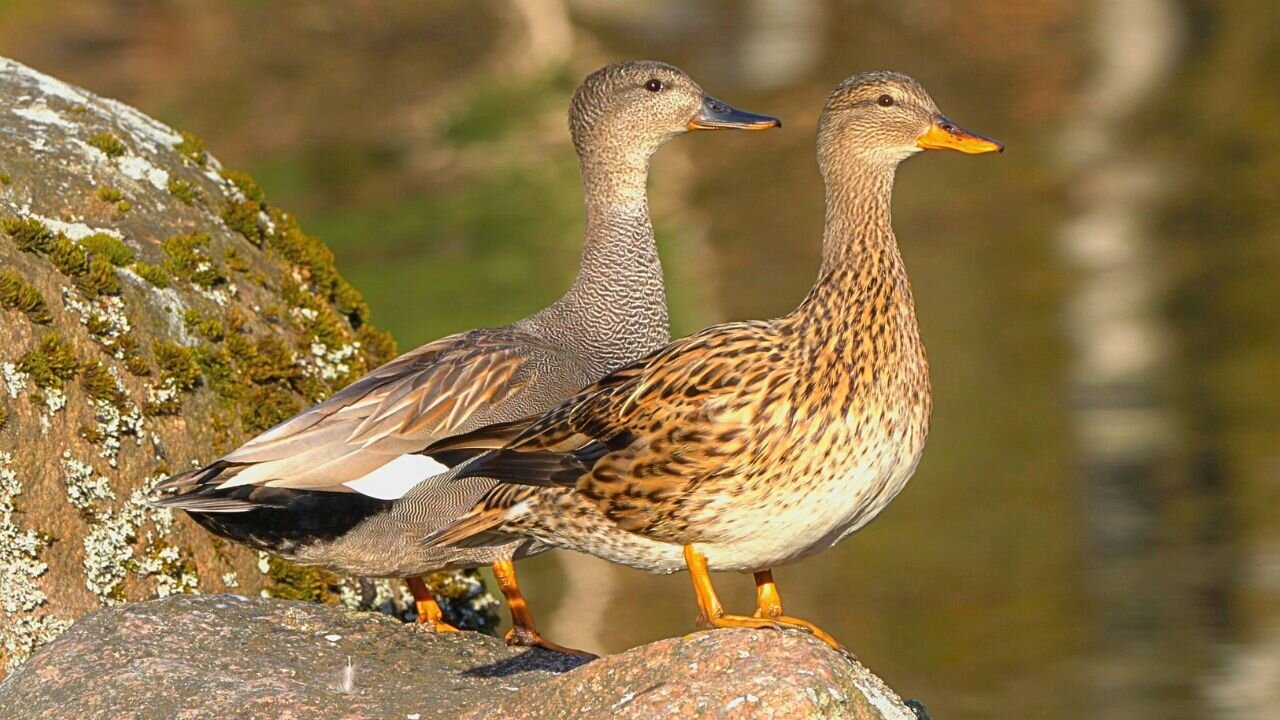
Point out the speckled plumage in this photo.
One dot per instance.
(284, 491)
(756, 443)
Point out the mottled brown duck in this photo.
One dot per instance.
(748, 445)
(341, 485)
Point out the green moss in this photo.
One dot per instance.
(123, 207)
(294, 582)
(68, 257)
(177, 364)
(90, 265)
(187, 258)
(234, 262)
(178, 371)
(5, 179)
(192, 148)
(137, 365)
(265, 361)
(266, 406)
(18, 294)
(109, 194)
(101, 278)
(242, 217)
(311, 255)
(259, 379)
(4, 416)
(376, 346)
(152, 274)
(247, 185)
(210, 329)
(219, 375)
(30, 234)
(51, 363)
(108, 144)
(348, 301)
(187, 193)
(99, 384)
(109, 247)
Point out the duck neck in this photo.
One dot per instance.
(616, 309)
(862, 288)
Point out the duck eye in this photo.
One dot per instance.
(885, 100)
(654, 85)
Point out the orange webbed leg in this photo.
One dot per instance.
(523, 630)
(429, 612)
(709, 602)
(769, 603)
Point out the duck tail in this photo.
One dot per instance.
(215, 472)
(197, 503)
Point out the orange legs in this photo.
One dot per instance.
(768, 602)
(428, 609)
(523, 631)
(769, 605)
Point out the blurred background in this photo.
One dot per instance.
(1095, 528)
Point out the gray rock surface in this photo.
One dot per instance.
(155, 311)
(226, 656)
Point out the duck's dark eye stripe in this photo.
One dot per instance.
(653, 85)
(885, 100)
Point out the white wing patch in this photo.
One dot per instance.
(393, 480)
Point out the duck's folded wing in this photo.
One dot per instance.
(366, 438)
(635, 442)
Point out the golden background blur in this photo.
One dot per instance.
(1094, 530)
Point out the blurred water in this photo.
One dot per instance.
(1094, 528)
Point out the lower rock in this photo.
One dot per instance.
(225, 656)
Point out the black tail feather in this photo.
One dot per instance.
(538, 468)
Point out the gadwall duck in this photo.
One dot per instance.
(339, 485)
(748, 445)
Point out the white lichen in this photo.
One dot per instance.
(113, 424)
(230, 580)
(389, 596)
(15, 381)
(165, 563)
(141, 169)
(54, 400)
(110, 553)
(106, 314)
(20, 562)
(87, 491)
(221, 295)
(107, 549)
(74, 230)
(330, 363)
(27, 633)
(39, 112)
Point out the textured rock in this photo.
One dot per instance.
(154, 312)
(219, 656)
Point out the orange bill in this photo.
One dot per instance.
(946, 135)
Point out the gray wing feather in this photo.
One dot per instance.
(439, 389)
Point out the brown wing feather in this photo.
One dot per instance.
(653, 418)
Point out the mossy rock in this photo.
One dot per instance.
(141, 341)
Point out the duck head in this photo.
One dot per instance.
(637, 106)
(882, 118)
